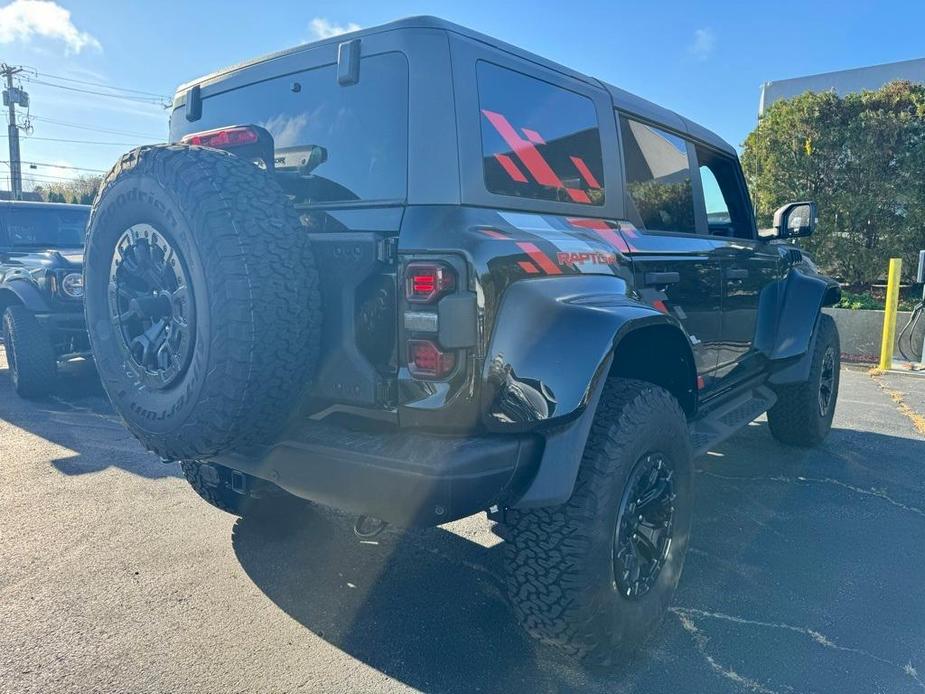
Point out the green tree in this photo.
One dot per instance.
(861, 157)
(81, 190)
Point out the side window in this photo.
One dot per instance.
(538, 141)
(658, 178)
(725, 200)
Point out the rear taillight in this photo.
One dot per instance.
(426, 360)
(427, 282)
(223, 138)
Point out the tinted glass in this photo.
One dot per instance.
(725, 198)
(658, 178)
(44, 226)
(538, 140)
(361, 128)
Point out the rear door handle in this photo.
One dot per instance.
(662, 278)
(736, 273)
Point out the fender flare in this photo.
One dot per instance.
(24, 292)
(550, 355)
(804, 295)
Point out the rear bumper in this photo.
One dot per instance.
(401, 477)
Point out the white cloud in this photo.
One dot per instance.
(22, 20)
(703, 44)
(322, 28)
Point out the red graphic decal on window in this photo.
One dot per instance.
(578, 195)
(511, 168)
(603, 230)
(585, 171)
(534, 136)
(528, 267)
(539, 258)
(525, 150)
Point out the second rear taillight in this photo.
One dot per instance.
(427, 282)
(427, 360)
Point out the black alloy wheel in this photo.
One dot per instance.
(827, 381)
(642, 537)
(151, 305)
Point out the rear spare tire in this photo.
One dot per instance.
(202, 300)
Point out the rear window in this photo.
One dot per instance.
(362, 128)
(538, 141)
(47, 227)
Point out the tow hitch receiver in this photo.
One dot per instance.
(238, 482)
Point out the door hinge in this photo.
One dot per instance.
(387, 250)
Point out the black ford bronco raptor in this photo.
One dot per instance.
(41, 291)
(416, 273)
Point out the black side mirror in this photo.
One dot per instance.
(793, 220)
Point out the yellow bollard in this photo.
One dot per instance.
(889, 314)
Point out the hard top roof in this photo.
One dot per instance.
(622, 99)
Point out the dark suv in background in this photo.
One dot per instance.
(41, 290)
(416, 273)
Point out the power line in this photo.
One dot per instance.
(109, 131)
(101, 84)
(79, 142)
(124, 97)
(59, 166)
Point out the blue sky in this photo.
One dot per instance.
(703, 59)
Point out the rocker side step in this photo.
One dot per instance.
(726, 419)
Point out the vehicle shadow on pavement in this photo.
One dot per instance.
(79, 418)
(425, 607)
(776, 529)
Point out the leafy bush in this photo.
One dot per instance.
(867, 300)
(861, 157)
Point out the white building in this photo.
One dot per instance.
(842, 81)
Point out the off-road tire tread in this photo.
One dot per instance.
(33, 352)
(546, 581)
(794, 419)
(265, 287)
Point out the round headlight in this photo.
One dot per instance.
(73, 285)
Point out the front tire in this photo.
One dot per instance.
(594, 576)
(802, 415)
(29, 353)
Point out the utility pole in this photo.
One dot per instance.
(11, 97)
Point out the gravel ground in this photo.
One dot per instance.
(805, 573)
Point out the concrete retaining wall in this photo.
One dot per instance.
(861, 331)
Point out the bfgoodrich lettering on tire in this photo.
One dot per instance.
(202, 300)
(595, 575)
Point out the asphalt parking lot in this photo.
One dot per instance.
(805, 573)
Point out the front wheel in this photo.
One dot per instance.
(29, 353)
(594, 576)
(802, 415)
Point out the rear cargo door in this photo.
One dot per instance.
(339, 148)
